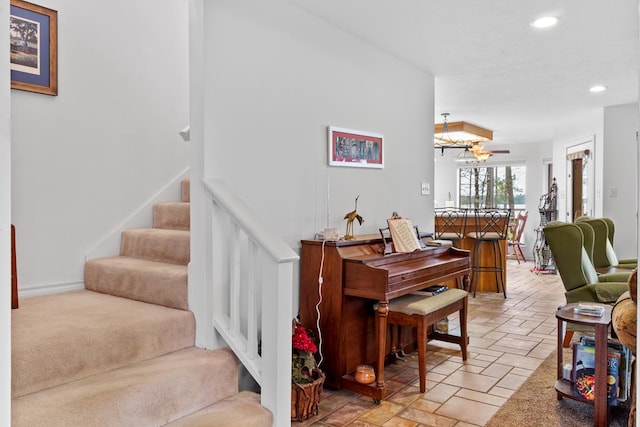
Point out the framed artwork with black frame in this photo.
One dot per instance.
(33, 34)
(355, 148)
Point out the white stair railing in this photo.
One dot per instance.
(251, 290)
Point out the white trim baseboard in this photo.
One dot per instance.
(50, 289)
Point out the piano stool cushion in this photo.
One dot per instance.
(423, 304)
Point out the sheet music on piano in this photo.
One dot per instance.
(403, 234)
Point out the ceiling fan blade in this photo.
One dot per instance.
(498, 151)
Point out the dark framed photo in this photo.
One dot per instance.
(355, 148)
(33, 32)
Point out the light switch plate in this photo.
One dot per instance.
(426, 189)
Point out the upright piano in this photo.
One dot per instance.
(343, 280)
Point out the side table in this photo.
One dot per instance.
(564, 388)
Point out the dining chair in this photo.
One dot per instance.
(491, 227)
(515, 242)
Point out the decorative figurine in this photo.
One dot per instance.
(348, 235)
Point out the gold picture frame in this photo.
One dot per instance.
(33, 33)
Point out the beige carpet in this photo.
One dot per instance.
(535, 404)
(122, 352)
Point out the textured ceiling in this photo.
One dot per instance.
(492, 68)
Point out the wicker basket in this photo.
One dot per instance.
(305, 397)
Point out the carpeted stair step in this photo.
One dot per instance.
(64, 337)
(186, 190)
(241, 409)
(148, 393)
(174, 215)
(156, 244)
(139, 279)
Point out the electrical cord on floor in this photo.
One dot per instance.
(320, 280)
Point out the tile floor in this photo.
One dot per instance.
(508, 339)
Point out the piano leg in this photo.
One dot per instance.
(381, 339)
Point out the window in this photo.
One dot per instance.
(492, 186)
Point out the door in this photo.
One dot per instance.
(580, 180)
(577, 207)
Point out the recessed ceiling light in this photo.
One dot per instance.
(545, 22)
(597, 88)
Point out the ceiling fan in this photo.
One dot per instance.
(481, 154)
(475, 154)
(464, 135)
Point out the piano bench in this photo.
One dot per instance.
(420, 311)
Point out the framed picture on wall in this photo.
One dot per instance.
(355, 148)
(33, 33)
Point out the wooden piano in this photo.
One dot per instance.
(355, 275)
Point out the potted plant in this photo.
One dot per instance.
(306, 378)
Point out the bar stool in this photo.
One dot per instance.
(491, 226)
(451, 224)
(419, 311)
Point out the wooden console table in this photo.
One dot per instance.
(564, 388)
(356, 275)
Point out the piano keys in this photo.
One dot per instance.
(356, 275)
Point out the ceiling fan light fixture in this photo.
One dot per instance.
(459, 133)
(482, 156)
(470, 158)
(476, 148)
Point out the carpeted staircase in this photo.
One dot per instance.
(121, 352)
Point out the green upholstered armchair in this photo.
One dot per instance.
(603, 254)
(622, 262)
(588, 234)
(579, 277)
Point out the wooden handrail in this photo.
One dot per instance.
(14, 270)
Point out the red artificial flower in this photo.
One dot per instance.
(301, 340)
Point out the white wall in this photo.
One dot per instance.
(85, 160)
(585, 126)
(5, 221)
(620, 192)
(532, 155)
(275, 78)
(272, 92)
(613, 130)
